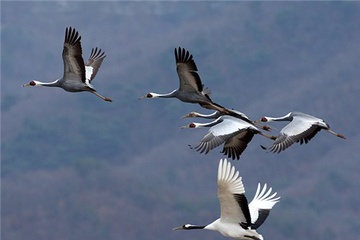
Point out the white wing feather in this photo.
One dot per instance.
(88, 73)
(229, 183)
(262, 201)
(296, 127)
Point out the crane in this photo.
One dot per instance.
(238, 219)
(302, 128)
(191, 89)
(77, 76)
(233, 132)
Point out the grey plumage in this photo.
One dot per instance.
(302, 128)
(191, 89)
(77, 75)
(235, 133)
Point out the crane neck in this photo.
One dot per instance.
(164, 95)
(47, 84)
(287, 117)
(213, 115)
(191, 227)
(209, 124)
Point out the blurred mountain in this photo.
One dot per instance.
(76, 167)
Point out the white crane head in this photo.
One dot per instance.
(191, 125)
(264, 119)
(191, 115)
(32, 83)
(149, 95)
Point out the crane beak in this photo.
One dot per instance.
(186, 126)
(178, 228)
(26, 85)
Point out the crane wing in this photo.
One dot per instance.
(74, 67)
(93, 63)
(186, 68)
(295, 131)
(261, 205)
(237, 144)
(231, 194)
(223, 129)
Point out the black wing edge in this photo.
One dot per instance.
(244, 206)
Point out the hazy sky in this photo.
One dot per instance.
(115, 166)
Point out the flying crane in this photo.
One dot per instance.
(238, 218)
(77, 76)
(302, 128)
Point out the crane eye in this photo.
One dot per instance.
(32, 83)
(149, 95)
(192, 125)
(263, 119)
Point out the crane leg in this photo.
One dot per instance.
(102, 97)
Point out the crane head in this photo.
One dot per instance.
(180, 227)
(149, 95)
(32, 83)
(263, 119)
(190, 115)
(190, 125)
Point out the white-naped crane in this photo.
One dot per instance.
(233, 132)
(191, 89)
(238, 218)
(302, 128)
(77, 75)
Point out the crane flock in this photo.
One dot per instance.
(238, 218)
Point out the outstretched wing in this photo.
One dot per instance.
(186, 68)
(295, 131)
(237, 144)
(93, 63)
(261, 205)
(74, 67)
(231, 193)
(223, 130)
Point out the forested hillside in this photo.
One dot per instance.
(76, 167)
